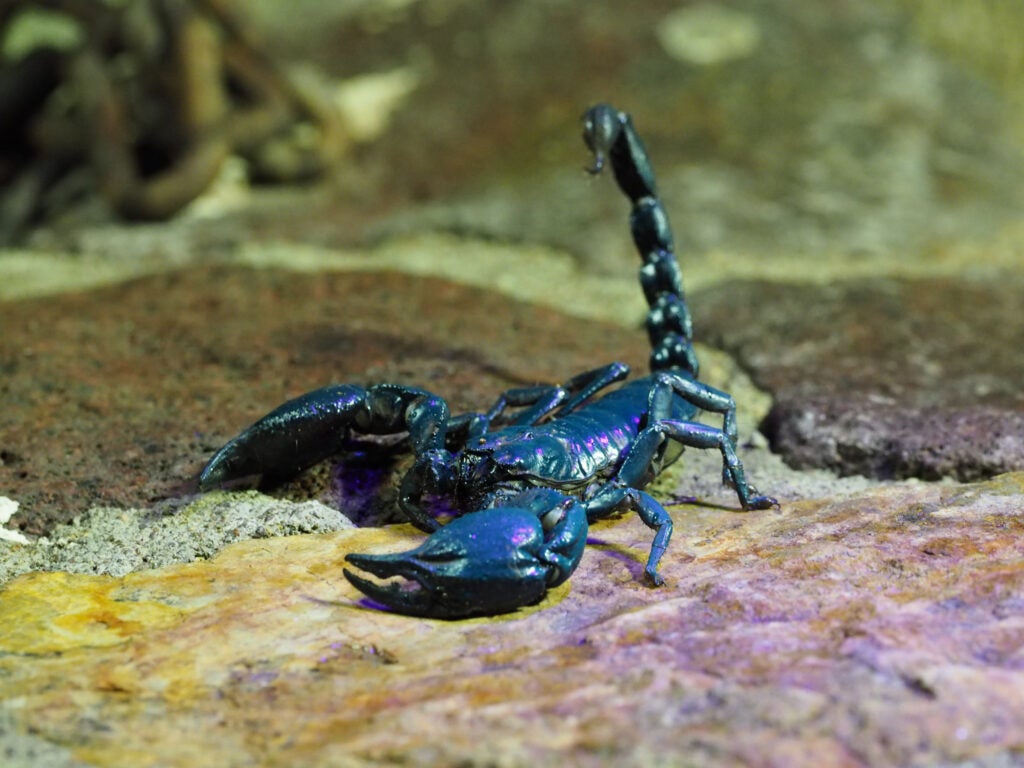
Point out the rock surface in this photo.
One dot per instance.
(883, 628)
(142, 381)
(844, 187)
(884, 377)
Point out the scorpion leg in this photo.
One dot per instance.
(647, 448)
(586, 385)
(697, 393)
(539, 401)
(622, 489)
(706, 398)
(613, 495)
(690, 434)
(489, 562)
(310, 428)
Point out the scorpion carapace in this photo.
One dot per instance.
(531, 473)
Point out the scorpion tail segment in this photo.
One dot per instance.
(289, 439)
(485, 563)
(609, 134)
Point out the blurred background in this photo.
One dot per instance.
(798, 129)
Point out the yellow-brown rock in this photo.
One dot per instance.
(883, 627)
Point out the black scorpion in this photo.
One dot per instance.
(528, 482)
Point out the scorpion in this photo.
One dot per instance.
(527, 477)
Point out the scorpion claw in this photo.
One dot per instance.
(391, 595)
(292, 437)
(483, 563)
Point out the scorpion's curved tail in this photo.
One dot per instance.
(610, 135)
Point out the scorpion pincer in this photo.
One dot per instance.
(531, 473)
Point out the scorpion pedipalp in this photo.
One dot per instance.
(292, 437)
(493, 561)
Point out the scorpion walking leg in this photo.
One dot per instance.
(539, 401)
(613, 495)
(584, 386)
(645, 449)
(703, 396)
(707, 398)
(622, 489)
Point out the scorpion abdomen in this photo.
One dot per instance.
(575, 449)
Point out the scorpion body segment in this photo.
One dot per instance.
(525, 483)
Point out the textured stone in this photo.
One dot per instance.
(115, 541)
(885, 377)
(140, 382)
(885, 627)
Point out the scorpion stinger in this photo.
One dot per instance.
(526, 483)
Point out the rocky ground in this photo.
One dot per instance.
(843, 187)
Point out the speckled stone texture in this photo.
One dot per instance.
(884, 628)
(117, 396)
(888, 378)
